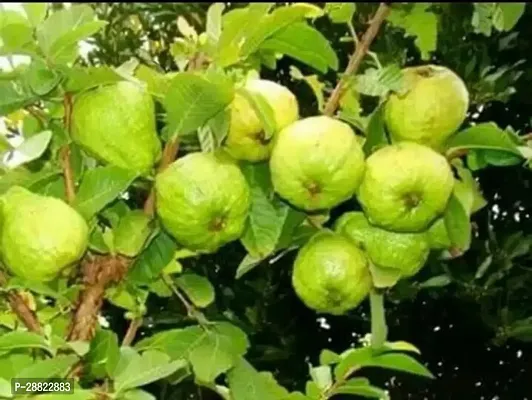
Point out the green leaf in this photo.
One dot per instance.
(263, 110)
(103, 354)
(22, 340)
(328, 357)
(511, 13)
(41, 79)
(137, 394)
(26, 178)
(132, 233)
(304, 43)
(380, 82)
(401, 346)
(12, 363)
(375, 132)
(79, 79)
(267, 214)
(36, 12)
(211, 352)
(399, 362)
(198, 289)
(457, 224)
(56, 367)
(247, 264)
(192, 100)
(143, 369)
(31, 149)
(214, 22)
(483, 136)
(482, 17)
(5, 389)
(355, 359)
(384, 277)
(360, 387)
(322, 376)
(60, 33)
(156, 82)
(237, 26)
(436, 281)
(15, 33)
(246, 383)
(420, 23)
(340, 13)
(149, 265)
(15, 95)
(100, 186)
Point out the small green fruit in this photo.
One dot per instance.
(406, 186)
(317, 163)
(246, 139)
(432, 110)
(331, 275)
(116, 124)
(203, 200)
(407, 252)
(40, 235)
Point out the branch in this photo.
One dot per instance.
(357, 57)
(65, 152)
(379, 329)
(21, 309)
(134, 326)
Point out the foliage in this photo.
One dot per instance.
(192, 58)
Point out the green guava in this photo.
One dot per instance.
(246, 139)
(203, 201)
(406, 186)
(407, 252)
(116, 124)
(317, 163)
(432, 109)
(331, 275)
(40, 235)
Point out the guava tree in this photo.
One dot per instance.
(126, 173)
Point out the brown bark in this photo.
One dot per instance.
(357, 57)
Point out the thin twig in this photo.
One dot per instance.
(134, 326)
(357, 57)
(68, 173)
(21, 309)
(191, 310)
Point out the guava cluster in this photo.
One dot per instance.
(203, 199)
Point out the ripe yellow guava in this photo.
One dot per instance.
(406, 186)
(331, 275)
(40, 235)
(406, 252)
(317, 163)
(431, 110)
(116, 124)
(246, 139)
(203, 201)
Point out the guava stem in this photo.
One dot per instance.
(379, 329)
(21, 309)
(361, 50)
(70, 189)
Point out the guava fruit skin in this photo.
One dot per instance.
(433, 108)
(244, 140)
(317, 163)
(331, 275)
(202, 200)
(407, 252)
(40, 236)
(116, 124)
(406, 186)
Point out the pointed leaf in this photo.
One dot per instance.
(103, 354)
(483, 136)
(22, 340)
(457, 224)
(198, 289)
(399, 362)
(99, 187)
(246, 383)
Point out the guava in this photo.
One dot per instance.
(406, 186)
(40, 236)
(203, 200)
(246, 139)
(317, 163)
(406, 252)
(331, 275)
(116, 124)
(432, 109)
